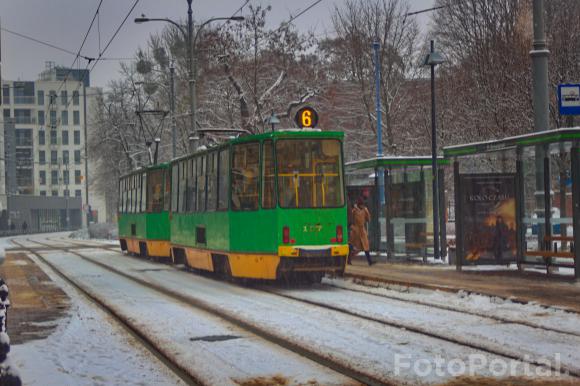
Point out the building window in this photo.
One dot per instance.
(63, 98)
(64, 117)
(53, 157)
(42, 157)
(77, 138)
(77, 157)
(53, 139)
(43, 193)
(54, 177)
(6, 113)
(65, 137)
(23, 137)
(6, 95)
(42, 177)
(77, 192)
(77, 177)
(65, 177)
(52, 97)
(55, 193)
(76, 117)
(66, 193)
(41, 138)
(40, 115)
(75, 98)
(65, 157)
(53, 118)
(40, 97)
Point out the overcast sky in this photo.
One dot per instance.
(65, 22)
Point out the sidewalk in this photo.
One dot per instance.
(530, 286)
(35, 300)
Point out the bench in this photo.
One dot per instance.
(548, 255)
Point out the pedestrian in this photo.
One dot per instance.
(360, 239)
(24, 227)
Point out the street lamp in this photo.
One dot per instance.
(433, 59)
(191, 61)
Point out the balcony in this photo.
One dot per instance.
(25, 120)
(24, 100)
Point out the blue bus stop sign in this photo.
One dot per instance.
(569, 99)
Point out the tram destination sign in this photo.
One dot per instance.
(569, 99)
(306, 118)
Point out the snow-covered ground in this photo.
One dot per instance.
(368, 346)
(214, 351)
(87, 348)
(381, 351)
(530, 313)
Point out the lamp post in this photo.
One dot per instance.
(191, 62)
(433, 59)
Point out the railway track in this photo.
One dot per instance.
(457, 309)
(391, 323)
(355, 375)
(145, 342)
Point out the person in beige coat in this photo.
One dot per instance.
(358, 237)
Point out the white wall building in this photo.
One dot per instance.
(44, 143)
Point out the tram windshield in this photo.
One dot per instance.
(309, 173)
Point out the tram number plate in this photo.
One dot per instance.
(312, 228)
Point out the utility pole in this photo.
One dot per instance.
(172, 107)
(86, 214)
(541, 102)
(191, 64)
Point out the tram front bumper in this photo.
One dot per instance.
(319, 258)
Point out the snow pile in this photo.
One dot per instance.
(81, 234)
(8, 374)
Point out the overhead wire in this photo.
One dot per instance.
(95, 61)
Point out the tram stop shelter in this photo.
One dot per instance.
(517, 200)
(402, 221)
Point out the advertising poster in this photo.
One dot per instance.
(489, 218)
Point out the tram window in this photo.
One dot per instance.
(174, 187)
(268, 176)
(224, 179)
(127, 195)
(120, 203)
(212, 168)
(143, 207)
(167, 192)
(130, 194)
(201, 168)
(155, 191)
(135, 195)
(182, 185)
(245, 167)
(309, 173)
(190, 191)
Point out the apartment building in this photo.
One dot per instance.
(44, 145)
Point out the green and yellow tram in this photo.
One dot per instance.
(265, 206)
(143, 218)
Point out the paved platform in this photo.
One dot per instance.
(36, 302)
(553, 290)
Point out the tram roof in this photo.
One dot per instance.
(525, 140)
(390, 162)
(289, 133)
(163, 165)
